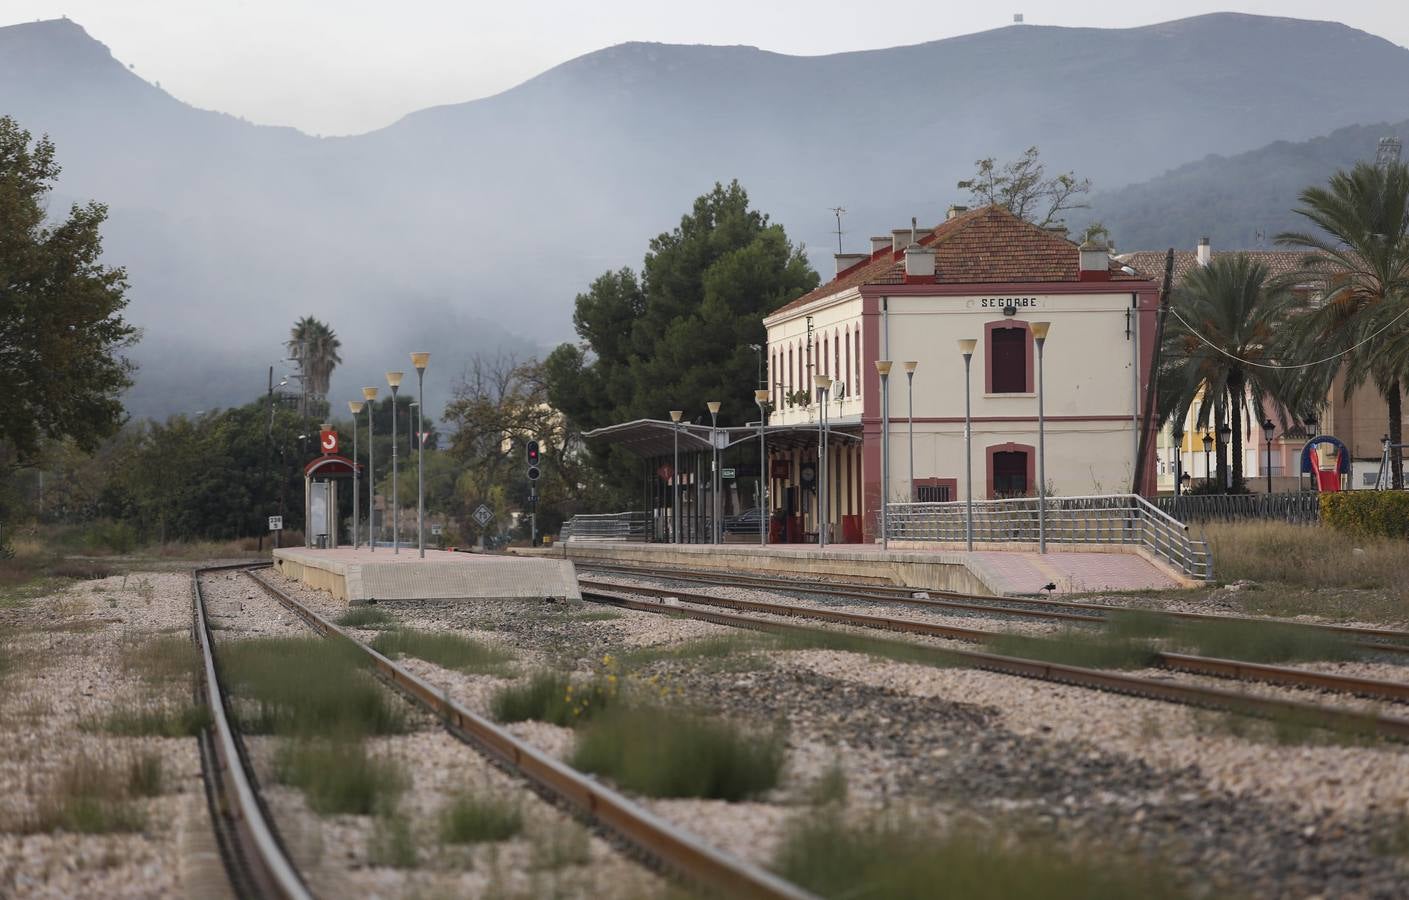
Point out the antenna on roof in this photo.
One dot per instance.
(914, 229)
(838, 211)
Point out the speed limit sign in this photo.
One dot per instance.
(276, 523)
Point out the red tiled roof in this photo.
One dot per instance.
(1150, 263)
(988, 245)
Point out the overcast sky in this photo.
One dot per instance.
(348, 66)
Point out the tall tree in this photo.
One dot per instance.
(1361, 260)
(61, 329)
(1221, 346)
(678, 335)
(1024, 189)
(315, 346)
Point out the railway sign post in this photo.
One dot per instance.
(276, 525)
(482, 515)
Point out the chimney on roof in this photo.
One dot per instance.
(847, 260)
(900, 238)
(1058, 229)
(954, 210)
(1204, 252)
(880, 243)
(1095, 260)
(919, 263)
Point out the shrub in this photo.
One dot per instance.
(337, 776)
(473, 819)
(113, 537)
(392, 844)
(897, 857)
(1379, 513)
(552, 697)
(662, 753)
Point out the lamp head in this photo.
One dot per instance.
(1208, 441)
(883, 366)
(1224, 430)
(1039, 330)
(394, 379)
(355, 406)
(420, 359)
(824, 382)
(713, 407)
(910, 366)
(967, 345)
(675, 415)
(369, 394)
(760, 396)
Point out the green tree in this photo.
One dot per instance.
(61, 329)
(1360, 257)
(315, 346)
(1219, 347)
(678, 335)
(1023, 188)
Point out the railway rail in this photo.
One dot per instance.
(254, 856)
(1033, 607)
(670, 847)
(1100, 679)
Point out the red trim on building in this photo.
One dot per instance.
(1094, 275)
(1011, 447)
(870, 415)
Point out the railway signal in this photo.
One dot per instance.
(533, 470)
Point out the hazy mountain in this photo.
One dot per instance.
(461, 226)
(1238, 202)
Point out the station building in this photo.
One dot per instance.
(982, 274)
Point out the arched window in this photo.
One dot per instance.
(846, 340)
(858, 381)
(1010, 349)
(836, 353)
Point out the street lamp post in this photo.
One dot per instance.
(883, 368)
(1267, 429)
(824, 384)
(761, 398)
(1178, 435)
(1225, 435)
(355, 407)
(370, 395)
(966, 347)
(713, 406)
(420, 359)
(1208, 446)
(1039, 334)
(675, 415)
(394, 380)
(910, 417)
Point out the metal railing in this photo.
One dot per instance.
(626, 526)
(1299, 507)
(1113, 519)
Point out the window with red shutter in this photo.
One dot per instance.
(1008, 347)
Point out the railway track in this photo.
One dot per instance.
(1388, 640)
(1193, 664)
(1195, 695)
(664, 844)
(254, 856)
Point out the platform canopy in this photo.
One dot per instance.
(654, 438)
(330, 466)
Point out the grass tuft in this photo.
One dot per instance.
(558, 846)
(900, 859)
(366, 617)
(663, 753)
(166, 658)
(474, 819)
(91, 796)
(306, 687)
(152, 720)
(453, 651)
(1251, 641)
(392, 844)
(551, 697)
(144, 774)
(338, 776)
(1074, 647)
(830, 788)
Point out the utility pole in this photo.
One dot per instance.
(838, 211)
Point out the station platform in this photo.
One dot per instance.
(993, 572)
(368, 576)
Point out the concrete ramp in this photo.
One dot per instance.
(365, 576)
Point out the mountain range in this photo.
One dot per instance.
(469, 228)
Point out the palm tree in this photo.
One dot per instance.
(315, 346)
(1219, 347)
(1360, 261)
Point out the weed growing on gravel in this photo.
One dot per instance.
(152, 720)
(1251, 641)
(392, 844)
(90, 796)
(714, 647)
(307, 687)
(1095, 650)
(366, 617)
(144, 774)
(453, 651)
(552, 697)
(558, 846)
(169, 657)
(338, 776)
(898, 858)
(1286, 729)
(472, 818)
(830, 788)
(661, 752)
(597, 616)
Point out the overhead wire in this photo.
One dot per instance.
(1248, 362)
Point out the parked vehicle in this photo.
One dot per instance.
(747, 522)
